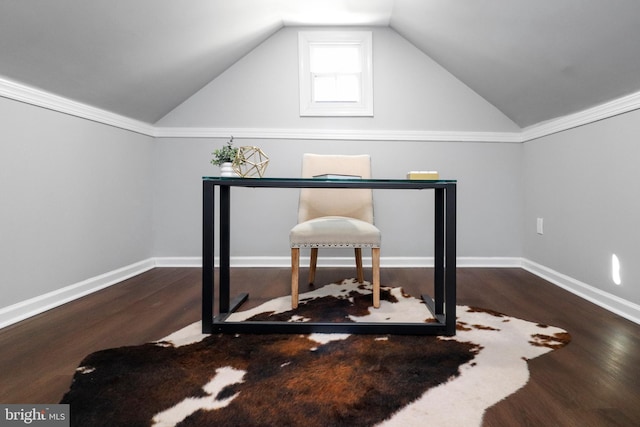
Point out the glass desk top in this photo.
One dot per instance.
(329, 182)
(332, 179)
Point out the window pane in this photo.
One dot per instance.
(335, 73)
(348, 88)
(324, 89)
(336, 88)
(335, 59)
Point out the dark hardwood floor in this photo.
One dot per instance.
(591, 382)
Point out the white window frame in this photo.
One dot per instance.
(309, 106)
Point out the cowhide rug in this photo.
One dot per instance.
(190, 379)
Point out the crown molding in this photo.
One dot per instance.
(599, 112)
(22, 93)
(40, 98)
(29, 95)
(333, 134)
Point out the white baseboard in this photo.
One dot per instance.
(387, 262)
(31, 307)
(608, 301)
(178, 262)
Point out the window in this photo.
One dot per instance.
(335, 73)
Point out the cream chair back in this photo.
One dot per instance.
(319, 202)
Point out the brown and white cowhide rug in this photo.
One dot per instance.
(190, 379)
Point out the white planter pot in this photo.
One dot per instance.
(226, 169)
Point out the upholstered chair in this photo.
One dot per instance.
(335, 218)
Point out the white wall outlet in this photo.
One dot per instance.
(539, 225)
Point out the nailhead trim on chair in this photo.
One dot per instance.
(334, 245)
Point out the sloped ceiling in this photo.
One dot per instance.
(534, 60)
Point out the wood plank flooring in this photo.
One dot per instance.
(591, 382)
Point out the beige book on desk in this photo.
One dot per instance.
(424, 175)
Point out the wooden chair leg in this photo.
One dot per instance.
(312, 265)
(295, 271)
(360, 273)
(375, 263)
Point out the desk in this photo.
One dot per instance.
(442, 305)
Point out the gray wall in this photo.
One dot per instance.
(584, 183)
(411, 92)
(76, 200)
(489, 196)
(80, 198)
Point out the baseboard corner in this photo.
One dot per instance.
(610, 302)
(28, 308)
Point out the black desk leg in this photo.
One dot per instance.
(439, 247)
(208, 202)
(225, 251)
(450, 260)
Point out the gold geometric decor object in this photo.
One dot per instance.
(250, 162)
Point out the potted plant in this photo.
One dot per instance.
(224, 158)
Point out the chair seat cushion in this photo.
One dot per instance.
(335, 231)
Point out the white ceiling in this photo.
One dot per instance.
(534, 60)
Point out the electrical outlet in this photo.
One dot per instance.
(539, 226)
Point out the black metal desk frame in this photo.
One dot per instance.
(442, 305)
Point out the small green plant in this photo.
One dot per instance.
(225, 154)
